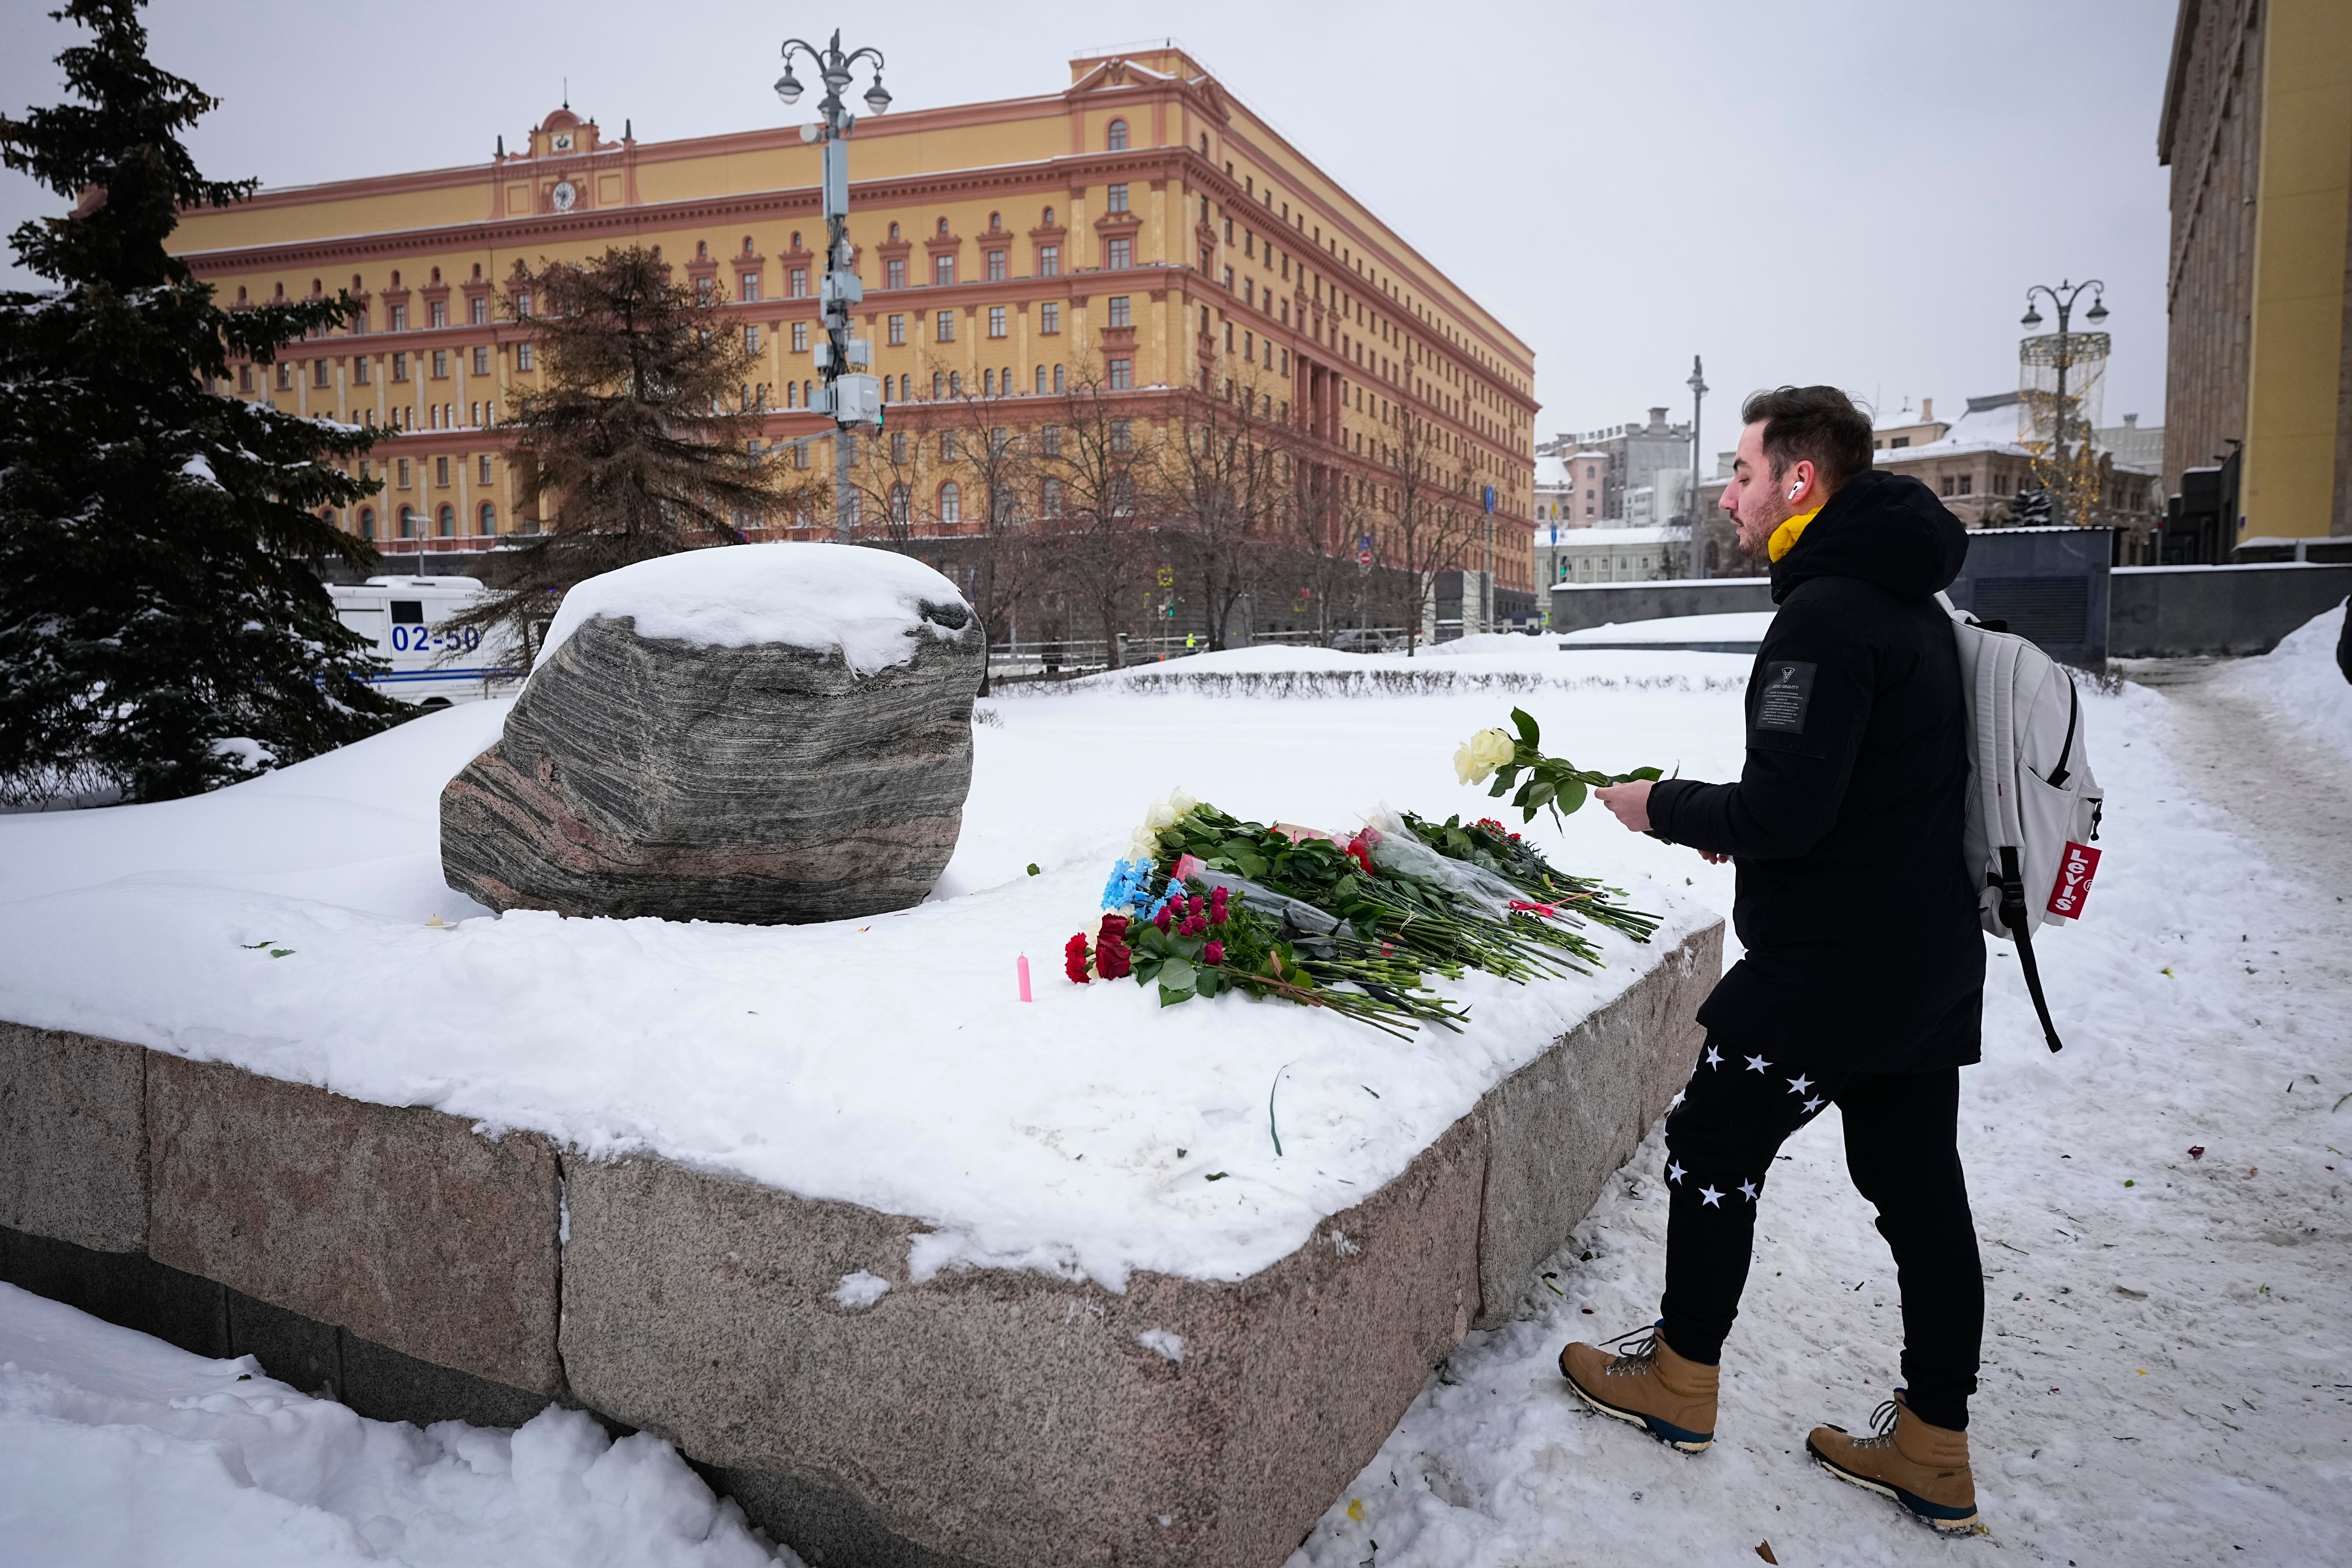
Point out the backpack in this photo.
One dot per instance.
(2032, 804)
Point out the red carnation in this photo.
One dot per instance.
(1073, 959)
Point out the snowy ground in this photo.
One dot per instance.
(2167, 1376)
(120, 1451)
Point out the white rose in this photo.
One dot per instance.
(1160, 815)
(1182, 801)
(1482, 753)
(1144, 846)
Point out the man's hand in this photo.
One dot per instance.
(1628, 803)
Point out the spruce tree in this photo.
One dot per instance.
(639, 438)
(162, 629)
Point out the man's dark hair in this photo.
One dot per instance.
(1818, 425)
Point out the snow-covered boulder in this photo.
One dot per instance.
(763, 734)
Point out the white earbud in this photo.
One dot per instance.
(1793, 489)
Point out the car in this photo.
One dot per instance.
(1361, 640)
(430, 665)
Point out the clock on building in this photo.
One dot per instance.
(561, 140)
(564, 195)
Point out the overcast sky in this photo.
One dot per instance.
(1802, 191)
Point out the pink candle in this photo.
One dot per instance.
(1021, 967)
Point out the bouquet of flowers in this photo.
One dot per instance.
(1204, 903)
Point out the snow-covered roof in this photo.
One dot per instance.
(1551, 471)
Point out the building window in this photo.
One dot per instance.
(1118, 198)
(1049, 503)
(996, 321)
(362, 370)
(997, 272)
(1122, 254)
(894, 272)
(485, 468)
(988, 383)
(1947, 484)
(747, 284)
(1118, 312)
(1049, 261)
(1968, 484)
(944, 330)
(751, 339)
(400, 318)
(486, 520)
(367, 523)
(478, 309)
(441, 472)
(1116, 141)
(1060, 382)
(1049, 317)
(523, 357)
(284, 375)
(1049, 440)
(445, 522)
(1122, 434)
(400, 367)
(318, 373)
(438, 313)
(942, 270)
(440, 364)
(792, 395)
(408, 523)
(1899, 441)
(481, 359)
(951, 502)
(897, 331)
(955, 389)
(800, 337)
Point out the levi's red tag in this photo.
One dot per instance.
(2075, 870)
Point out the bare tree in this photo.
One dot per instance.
(1094, 496)
(640, 435)
(1419, 492)
(1221, 488)
(999, 462)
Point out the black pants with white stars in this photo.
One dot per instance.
(1902, 1152)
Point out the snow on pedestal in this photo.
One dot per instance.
(902, 1257)
(763, 735)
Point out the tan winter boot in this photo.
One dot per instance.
(1924, 1467)
(1647, 1385)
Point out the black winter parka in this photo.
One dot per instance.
(1860, 922)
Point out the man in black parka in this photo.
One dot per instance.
(1862, 984)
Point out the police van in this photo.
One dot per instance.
(431, 665)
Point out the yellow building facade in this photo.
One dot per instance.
(1141, 227)
(2257, 130)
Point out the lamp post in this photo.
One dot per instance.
(1698, 384)
(850, 393)
(2061, 298)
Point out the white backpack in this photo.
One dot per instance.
(2033, 806)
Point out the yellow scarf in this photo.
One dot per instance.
(1784, 538)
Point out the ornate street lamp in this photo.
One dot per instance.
(1698, 384)
(850, 394)
(2062, 299)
